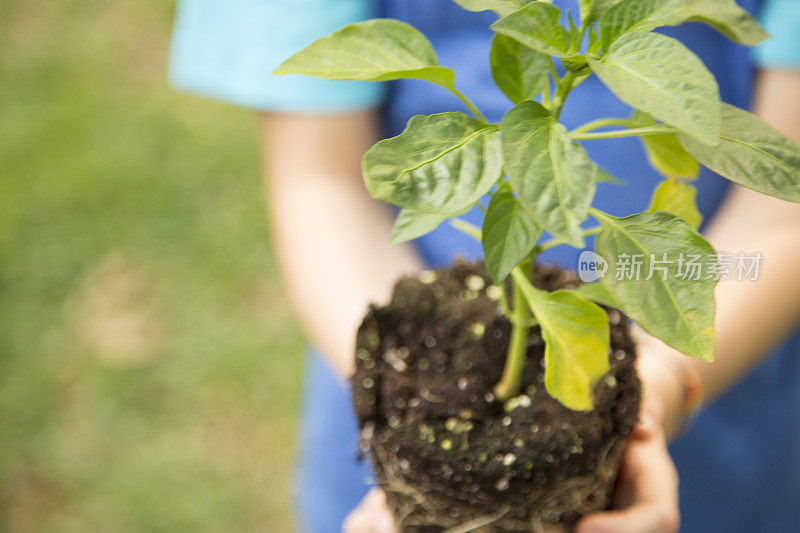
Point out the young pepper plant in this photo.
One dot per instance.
(540, 179)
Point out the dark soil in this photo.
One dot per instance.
(452, 458)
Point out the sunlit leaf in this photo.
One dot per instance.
(375, 50)
(586, 10)
(411, 224)
(752, 154)
(520, 72)
(553, 175)
(665, 152)
(599, 7)
(509, 234)
(678, 198)
(668, 303)
(596, 292)
(537, 26)
(660, 76)
(634, 15)
(440, 164)
(577, 339)
(670, 158)
(501, 7)
(726, 16)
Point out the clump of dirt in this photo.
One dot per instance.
(448, 454)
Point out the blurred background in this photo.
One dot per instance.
(149, 368)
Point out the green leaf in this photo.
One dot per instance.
(752, 154)
(603, 176)
(411, 224)
(596, 292)
(509, 234)
(586, 10)
(501, 7)
(634, 15)
(440, 164)
(670, 158)
(470, 230)
(520, 72)
(676, 310)
(375, 50)
(537, 26)
(665, 152)
(599, 8)
(723, 15)
(660, 76)
(678, 198)
(553, 176)
(577, 338)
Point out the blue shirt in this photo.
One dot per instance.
(740, 466)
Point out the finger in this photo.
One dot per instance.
(636, 519)
(371, 516)
(646, 428)
(647, 493)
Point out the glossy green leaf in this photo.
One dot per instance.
(726, 16)
(596, 292)
(509, 234)
(501, 7)
(634, 15)
(666, 302)
(577, 338)
(552, 175)
(537, 26)
(678, 198)
(411, 224)
(752, 154)
(660, 76)
(440, 164)
(520, 72)
(375, 50)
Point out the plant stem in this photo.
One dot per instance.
(600, 123)
(465, 227)
(562, 90)
(553, 70)
(618, 134)
(504, 301)
(510, 383)
(558, 242)
(467, 102)
(546, 93)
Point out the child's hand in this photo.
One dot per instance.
(371, 516)
(646, 495)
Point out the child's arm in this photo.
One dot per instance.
(331, 237)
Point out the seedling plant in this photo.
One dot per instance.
(540, 180)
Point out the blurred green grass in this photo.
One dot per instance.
(149, 368)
